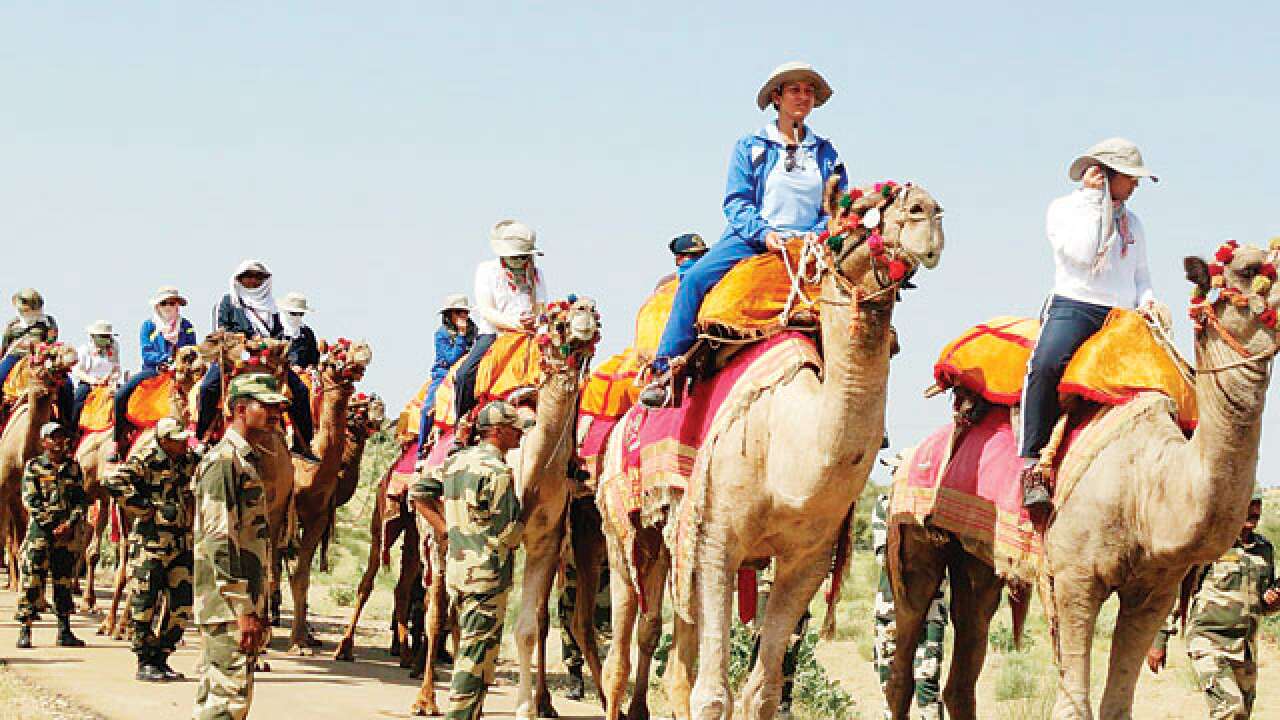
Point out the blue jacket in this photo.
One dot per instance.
(233, 318)
(450, 347)
(753, 159)
(156, 350)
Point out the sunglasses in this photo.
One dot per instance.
(167, 303)
(791, 161)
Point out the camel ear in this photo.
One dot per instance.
(831, 197)
(1197, 271)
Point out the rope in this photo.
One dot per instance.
(811, 256)
(1166, 342)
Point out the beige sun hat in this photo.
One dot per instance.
(295, 302)
(457, 301)
(29, 298)
(1116, 153)
(512, 237)
(101, 327)
(790, 72)
(168, 292)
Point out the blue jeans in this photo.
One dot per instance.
(1066, 325)
(299, 406)
(680, 332)
(122, 424)
(66, 396)
(464, 381)
(428, 408)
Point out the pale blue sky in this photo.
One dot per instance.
(363, 150)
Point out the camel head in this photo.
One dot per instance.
(365, 414)
(47, 367)
(237, 354)
(568, 333)
(882, 234)
(188, 368)
(1237, 294)
(344, 361)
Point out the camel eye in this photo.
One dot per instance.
(916, 209)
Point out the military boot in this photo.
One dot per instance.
(784, 705)
(148, 671)
(66, 638)
(24, 637)
(577, 689)
(169, 673)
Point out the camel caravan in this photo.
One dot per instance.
(732, 438)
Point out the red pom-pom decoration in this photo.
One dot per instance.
(1224, 254)
(897, 270)
(1267, 270)
(1268, 317)
(855, 193)
(1234, 245)
(875, 244)
(1214, 269)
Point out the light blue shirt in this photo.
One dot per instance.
(793, 200)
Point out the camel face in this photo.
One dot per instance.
(345, 361)
(49, 364)
(916, 220)
(899, 239)
(1248, 296)
(572, 330)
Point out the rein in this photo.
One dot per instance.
(1211, 320)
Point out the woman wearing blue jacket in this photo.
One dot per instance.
(454, 339)
(774, 192)
(161, 336)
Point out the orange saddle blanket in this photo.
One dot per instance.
(17, 381)
(97, 412)
(514, 361)
(611, 389)
(151, 401)
(1112, 367)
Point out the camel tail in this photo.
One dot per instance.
(839, 569)
(1019, 605)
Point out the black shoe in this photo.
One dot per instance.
(302, 450)
(24, 637)
(169, 673)
(656, 394)
(150, 672)
(1036, 497)
(577, 690)
(66, 638)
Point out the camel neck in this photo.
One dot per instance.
(544, 451)
(331, 432)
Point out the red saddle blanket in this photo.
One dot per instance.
(402, 475)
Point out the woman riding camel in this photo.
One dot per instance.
(510, 294)
(250, 310)
(304, 351)
(1100, 261)
(32, 325)
(774, 192)
(454, 338)
(160, 338)
(97, 365)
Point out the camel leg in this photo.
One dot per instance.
(1141, 615)
(920, 568)
(710, 698)
(622, 609)
(648, 633)
(1077, 597)
(346, 646)
(410, 573)
(795, 582)
(975, 596)
(92, 552)
(112, 618)
(541, 559)
(588, 547)
(436, 601)
(680, 662)
(300, 583)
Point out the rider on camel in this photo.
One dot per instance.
(453, 339)
(250, 310)
(1100, 260)
(686, 249)
(774, 192)
(304, 351)
(97, 365)
(510, 294)
(31, 326)
(160, 338)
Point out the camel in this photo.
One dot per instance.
(315, 485)
(781, 480)
(1148, 505)
(47, 366)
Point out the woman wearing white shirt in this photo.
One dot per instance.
(510, 293)
(1100, 260)
(98, 366)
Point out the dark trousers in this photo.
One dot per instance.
(299, 406)
(77, 405)
(66, 395)
(464, 382)
(1066, 324)
(122, 424)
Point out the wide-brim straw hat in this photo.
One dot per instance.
(457, 301)
(295, 302)
(510, 238)
(101, 327)
(168, 292)
(1118, 154)
(28, 297)
(793, 72)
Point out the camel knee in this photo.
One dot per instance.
(711, 703)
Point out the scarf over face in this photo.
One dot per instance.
(257, 303)
(168, 320)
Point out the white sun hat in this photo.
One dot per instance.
(101, 327)
(509, 238)
(168, 292)
(457, 301)
(791, 72)
(295, 302)
(1116, 153)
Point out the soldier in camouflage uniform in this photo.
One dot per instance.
(231, 559)
(481, 516)
(927, 667)
(565, 607)
(53, 493)
(1227, 606)
(155, 487)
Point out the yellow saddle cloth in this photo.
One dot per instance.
(1120, 361)
(17, 381)
(514, 361)
(97, 412)
(151, 400)
(611, 389)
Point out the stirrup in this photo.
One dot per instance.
(657, 394)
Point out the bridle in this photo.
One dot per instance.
(1204, 315)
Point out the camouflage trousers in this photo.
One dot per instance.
(928, 660)
(161, 572)
(44, 560)
(1230, 686)
(566, 604)
(225, 688)
(480, 618)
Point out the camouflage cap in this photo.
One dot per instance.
(259, 386)
(500, 412)
(170, 429)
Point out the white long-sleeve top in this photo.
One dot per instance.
(93, 366)
(1072, 224)
(498, 305)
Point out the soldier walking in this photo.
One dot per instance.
(1228, 601)
(53, 493)
(155, 486)
(231, 557)
(927, 666)
(481, 516)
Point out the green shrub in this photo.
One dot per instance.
(342, 595)
(1019, 678)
